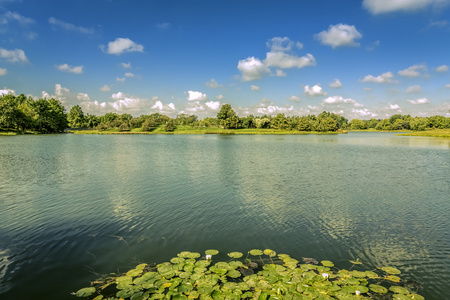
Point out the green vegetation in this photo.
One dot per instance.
(261, 275)
(25, 115)
(430, 132)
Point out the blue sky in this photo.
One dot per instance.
(358, 58)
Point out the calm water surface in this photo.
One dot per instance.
(75, 206)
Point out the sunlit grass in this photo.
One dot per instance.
(431, 133)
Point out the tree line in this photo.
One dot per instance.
(49, 116)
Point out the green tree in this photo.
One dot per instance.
(304, 124)
(419, 123)
(75, 117)
(51, 116)
(357, 124)
(170, 125)
(324, 124)
(227, 117)
(279, 122)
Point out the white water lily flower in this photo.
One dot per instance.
(358, 293)
(325, 275)
(208, 256)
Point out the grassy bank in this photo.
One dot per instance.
(445, 133)
(203, 130)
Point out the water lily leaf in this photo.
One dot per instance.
(246, 295)
(134, 272)
(205, 288)
(393, 278)
(362, 289)
(124, 286)
(327, 263)
(185, 287)
(236, 264)
(390, 270)
(399, 290)
(358, 274)
(139, 296)
(269, 252)
(371, 274)
(177, 260)
(378, 289)
(157, 296)
(235, 254)
(312, 261)
(223, 265)
(184, 254)
(99, 297)
(234, 274)
(416, 297)
(203, 263)
(193, 255)
(185, 275)
(196, 276)
(218, 295)
(179, 297)
(125, 293)
(193, 294)
(85, 292)
(356, 262)
(400, 297)
(256, 252)
(211, 252)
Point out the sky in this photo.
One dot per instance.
(359, 58)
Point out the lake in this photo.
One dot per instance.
(73, 207)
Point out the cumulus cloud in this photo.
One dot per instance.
(282, 44)
(394, 106)
(3, 71)
(83, 97)
(159, 106)
(315, 90)
(294, 98)
(212, 83)
(219, 97)
(274, 109)
(7, 92)
(413, 71)
(195, 96)
(67, 68)
(13, 56)
(130, 75)
(13, 16)
(252, 68)
(386, 6)
(336, 84)
(442, 69)
(123, 45)
(419, 101)
(70, 27)
(279, 73)
(214, 105)
(383, 78)
(254, 88)
(286, 61)
(119, 79)
(105, 88)
(363, 113)
(340, 35)
(338, 100)
(413, 89)
(126, 65)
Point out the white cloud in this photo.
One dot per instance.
(68, 26)
(254, 88)
(335, 84)
(373, 46)
(286, 61)
(383, 78)
(252, 68)
(294, 98)
(105, 88)
(282, 44)
(129, 75)
(60, 91)
(363, 112)
(394, 106)
(213, 84)
(339, 100)
(126, 65)
(413, 89)
(195, 96)
(13, 16)
(83, 97)
(3, 71)
(162, 107)
(122, 45)
(279, 73)
(419, 101)
(339, 35)
(67, 68)
(163, 26)
(386, 6)
(219, 97)
(7, 92)
(13, 56)
(120, 79)
(315, 90)
(443, 69)
(413, 71)
(274, 109)
(214, 105)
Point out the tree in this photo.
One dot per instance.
(227, 117)
(279, 122)
(324, 124)
(76, 117)
(170, 125)
(51, 116)
(357, 124)
(419, 123)
(304, 124)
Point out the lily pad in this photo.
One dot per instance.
(391, 270)
(234, 274)
(327, 263)
(416, 297)
(393, 278)
(211, 252)
(400, 297)
(309, 260)
(193, 255)
(177, 260)
(399, 290)
(85, 292)
(356, 262)
(378, 289)
(371, 274)
(270, 252)
(235, 254)
(205, 288)
(256, 252)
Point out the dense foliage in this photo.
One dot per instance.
(188, 276)
(48, 116)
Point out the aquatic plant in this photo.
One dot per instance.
(191, 276)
